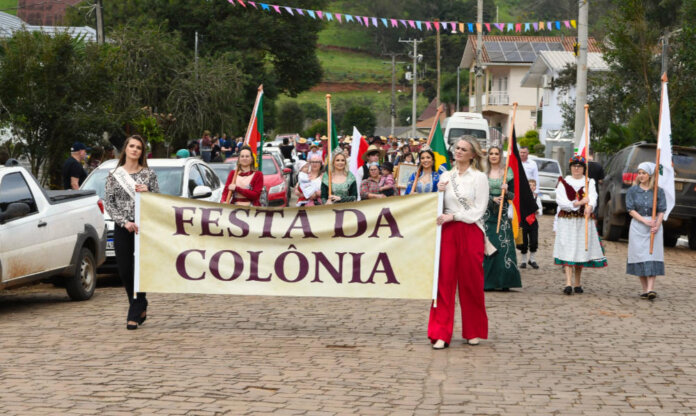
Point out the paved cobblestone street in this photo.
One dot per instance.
(604, 352)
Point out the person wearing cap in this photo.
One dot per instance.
(73, 172)
(575, 206)
(639, 204)
(314, 151)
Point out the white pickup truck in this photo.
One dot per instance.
(45, 234)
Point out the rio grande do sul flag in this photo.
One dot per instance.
(664, 145)
(254, 136)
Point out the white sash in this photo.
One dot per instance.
(125, 180)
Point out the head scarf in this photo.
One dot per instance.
(648, 167)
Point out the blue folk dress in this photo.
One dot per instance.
(640, 261)
(428, 187)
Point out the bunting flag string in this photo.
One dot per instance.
(422, 25)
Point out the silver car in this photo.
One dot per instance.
(549, 172)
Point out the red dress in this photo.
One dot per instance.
(249, 188)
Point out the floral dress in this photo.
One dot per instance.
(500, 270)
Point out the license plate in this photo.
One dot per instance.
(678, 186)
(110, 244)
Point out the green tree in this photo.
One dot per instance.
(361, 117)
(312, 111)
(318, 126)
(290, 117)
(54, 90)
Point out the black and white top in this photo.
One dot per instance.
(118, 202)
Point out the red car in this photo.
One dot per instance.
(273, 179)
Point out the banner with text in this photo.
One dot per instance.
(383, 248)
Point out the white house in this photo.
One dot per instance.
(541, 77)
(505, 61)
(10, 24)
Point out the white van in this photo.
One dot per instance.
(472, 124)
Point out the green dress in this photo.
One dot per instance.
(500, 270)
(348, 190)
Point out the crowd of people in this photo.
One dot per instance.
(476, 255)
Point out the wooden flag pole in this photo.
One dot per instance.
(328, 135)
(587, 173)
(507, 165)
(657, 160)
(440, 110)
(247, 136)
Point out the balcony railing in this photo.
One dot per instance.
(499, 98)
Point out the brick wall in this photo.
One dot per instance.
(44, 12)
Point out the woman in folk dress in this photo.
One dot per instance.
(569, 248)
(248, 185)
(639, 203)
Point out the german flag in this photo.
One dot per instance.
(523, 203)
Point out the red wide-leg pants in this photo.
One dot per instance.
(461, 264)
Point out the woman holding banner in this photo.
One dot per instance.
(575, 206)
(639, 203)
(130, 176)
(427, 179)
(500, 270)
(246, 185)
(462, 248)
(343, 185)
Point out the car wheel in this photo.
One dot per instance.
(670, 238)
(81, 285)
(692, 237)
(609, 232)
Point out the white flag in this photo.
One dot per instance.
(583, 147)
(664, 143)
(355, 163)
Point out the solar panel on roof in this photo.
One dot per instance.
(524, 47)
(555, 46)
(492, 46)
(513, 56)
(528, 56)
(539, 46)
(508, 46)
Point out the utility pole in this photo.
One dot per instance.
(458, 88)
(416, 59)
(100, 22)
(581, 82)
(393, 91)
(437, 59)
(665, 54)
(479, 45)
(195, 59)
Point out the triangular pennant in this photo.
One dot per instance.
(437, 26)
(549, 26)
(329, 17)
(540, 26)
(454, 27)
(510, 27)
(412, 24)
(500, 26)
(567, 23)
(385, 22)
(419, 25)
(574, 24)
(338, 17)
(311, 14)
(300, 12)
(428, 26)
(488, 26)
(374, 22)
(478, 27)
(231, 2)
(253, 4)
(403, 22)
(289, 10)
(471, 27)
(461, 27)
(276, 8)
(444, 25)
(558, 25)
(241, 2)
(320, 14)
(367, 21)
(518, 27)
(265, 6)
(394, 23)
(349, 18)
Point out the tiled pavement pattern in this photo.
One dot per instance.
(604, 352)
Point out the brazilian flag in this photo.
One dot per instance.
(438, 146)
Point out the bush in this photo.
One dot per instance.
(318, 126)
(361, 117)
(290, 117)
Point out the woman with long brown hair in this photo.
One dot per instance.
(130, 176)
(428, 177)
(248, 183)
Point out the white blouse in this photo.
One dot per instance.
(562, 199)
(472, 188)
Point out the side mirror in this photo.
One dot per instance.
(287, 171)
(14, 210)
(201, 191)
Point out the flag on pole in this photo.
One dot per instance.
(439, 148)
(357, 150)
(332, 144)
(254, 136)
(524, 205)
(664, 143)
(583, 147)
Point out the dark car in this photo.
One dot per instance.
(620, 173)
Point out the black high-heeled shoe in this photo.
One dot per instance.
(142, 319)
(131, 327)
